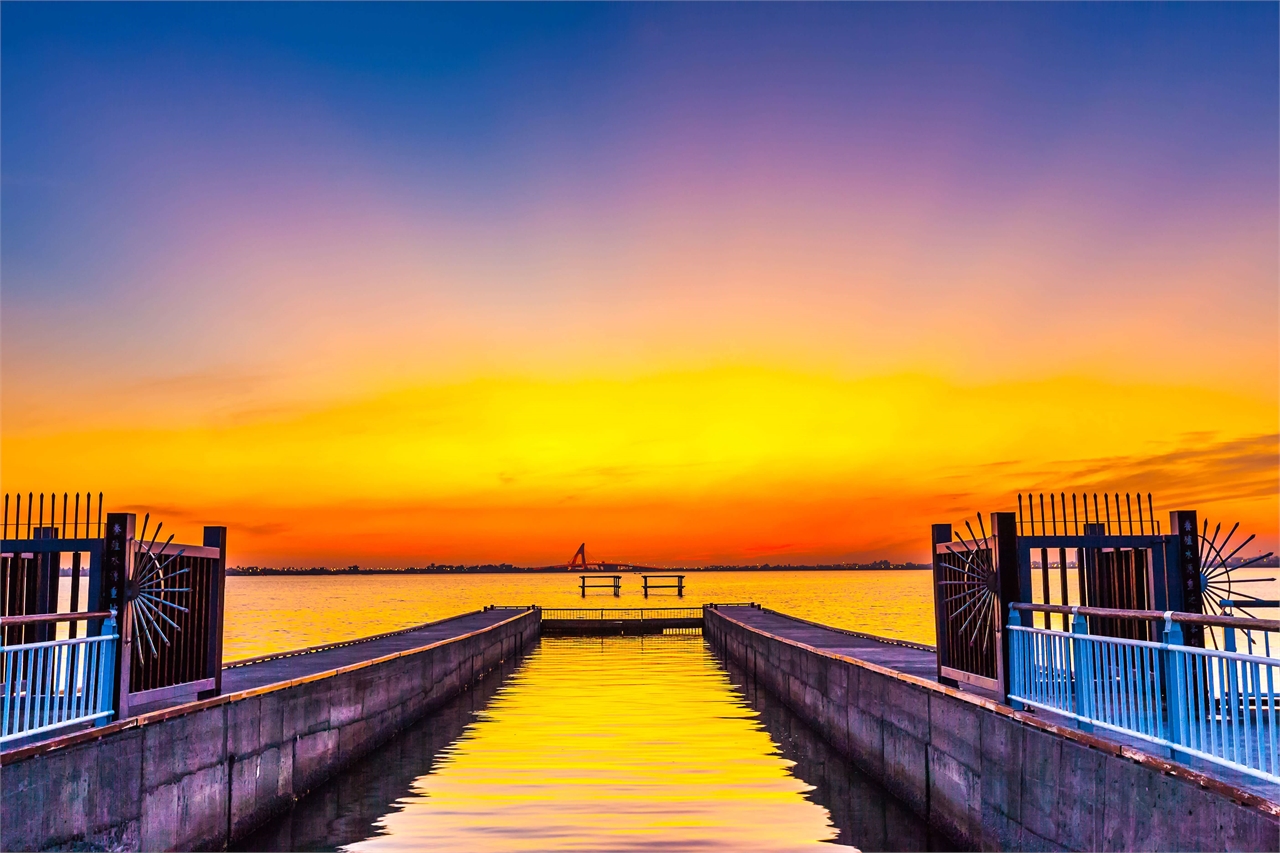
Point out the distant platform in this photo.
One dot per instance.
(606, 621)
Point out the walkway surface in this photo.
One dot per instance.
(905, 657)
(922, 662)
(290, 665)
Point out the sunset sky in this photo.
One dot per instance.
(399, 284)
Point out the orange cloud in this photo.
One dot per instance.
(716, 465)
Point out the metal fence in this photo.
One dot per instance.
(58, 683)
(1216, 705)
(620, 613)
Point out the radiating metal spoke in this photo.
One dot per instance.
(974, 599)
(986, 638)
(156, 610)
(986, 635)
(175, 606)
(978, 571)
(152, 590)
(974, 613)
(151, 613)
(146, 632)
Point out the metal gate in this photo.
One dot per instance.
(1094, 552)
(169, 597)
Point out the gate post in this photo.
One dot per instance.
(1183, 526)
(216, 537)
(941, 535)
(1004, 551)
(119, 550)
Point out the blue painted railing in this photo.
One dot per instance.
(51, 685)
(1216, 705)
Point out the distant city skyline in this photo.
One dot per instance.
(397, 284)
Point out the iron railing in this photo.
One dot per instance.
(620, 613)
(1219, 706)
(54, 684)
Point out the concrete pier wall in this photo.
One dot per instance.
(196, 776)
(991, 777)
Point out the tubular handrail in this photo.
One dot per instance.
(44, 618)
(50, 685)
(1215, 705)
(1245, 622)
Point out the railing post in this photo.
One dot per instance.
(1179, 726)
(1082, 695)
(107, 668)
(1017, 677)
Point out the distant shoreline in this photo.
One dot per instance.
(266, 571)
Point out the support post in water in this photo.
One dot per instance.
(677, 583)
(613, 582)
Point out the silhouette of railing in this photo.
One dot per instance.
(618, 620)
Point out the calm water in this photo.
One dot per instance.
(619, 743)
(269, 614)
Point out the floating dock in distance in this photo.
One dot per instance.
(602, 621)
(677, 583)
(614, 582)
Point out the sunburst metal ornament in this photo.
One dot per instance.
(1218, 574)
(152, 591)
(978, 590)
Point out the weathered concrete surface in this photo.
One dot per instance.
(984, 774)
(347, 808)
(198, 775)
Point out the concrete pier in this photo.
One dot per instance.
(982, 773)
(205, 774)
(199, 775)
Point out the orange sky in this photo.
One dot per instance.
(726, 464)
(363, 308)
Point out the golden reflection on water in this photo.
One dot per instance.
(610, 744)
(271, 614)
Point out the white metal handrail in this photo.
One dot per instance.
(1219, 706)
(58, 683)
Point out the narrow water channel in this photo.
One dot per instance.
(620, 743)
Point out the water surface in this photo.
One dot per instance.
(610, 744)
(270, 614)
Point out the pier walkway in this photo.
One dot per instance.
(985, 773)
(901, 655)
(276, 668)
(195, 775)
(921, 661)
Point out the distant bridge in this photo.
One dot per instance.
(580, 562)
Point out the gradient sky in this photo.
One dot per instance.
(395, 284)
